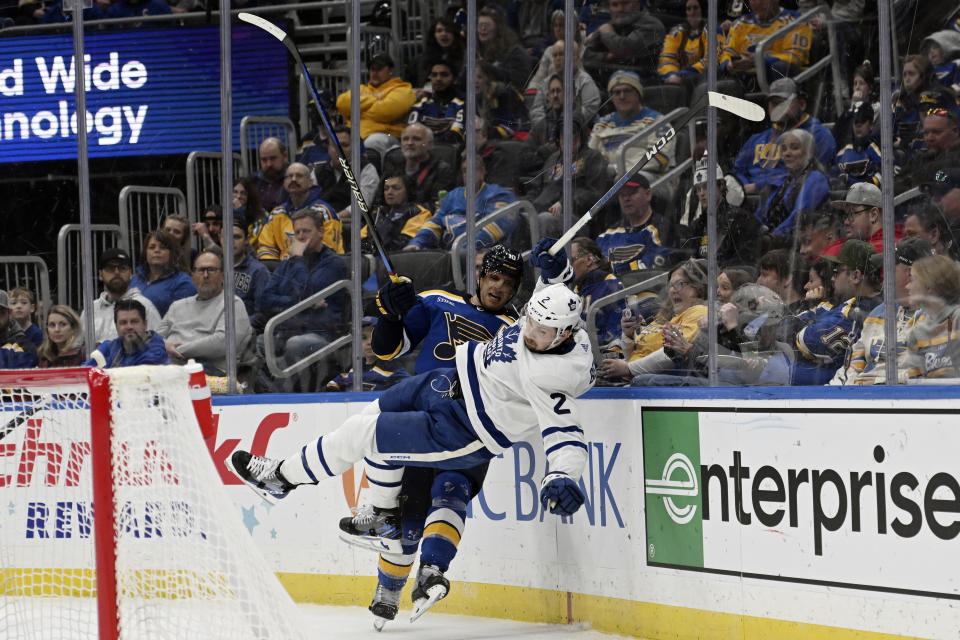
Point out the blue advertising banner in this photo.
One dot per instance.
(149, 91)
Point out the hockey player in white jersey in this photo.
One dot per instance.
(522, 385)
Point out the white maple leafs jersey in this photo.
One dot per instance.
(515, 394)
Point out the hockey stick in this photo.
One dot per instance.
(743, 108)
(287, 41)
(25, 415)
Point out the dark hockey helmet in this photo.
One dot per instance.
(501, 259)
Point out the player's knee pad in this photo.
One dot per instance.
(445, 521)
(451, 490)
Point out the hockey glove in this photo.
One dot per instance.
(396, 298)
(550, 266)
(560, 494)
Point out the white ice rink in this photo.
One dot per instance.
(347, 623)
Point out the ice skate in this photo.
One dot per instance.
(262, 474)
(384, 606)
(372, 543)
(431, 587)
(373, 522)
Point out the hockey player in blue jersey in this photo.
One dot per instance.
(434, 501)
(523, 384)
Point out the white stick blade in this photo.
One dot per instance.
(743, 108)
(266, 25)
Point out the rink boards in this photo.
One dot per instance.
(828, 514)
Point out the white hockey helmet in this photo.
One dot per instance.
(558, 307)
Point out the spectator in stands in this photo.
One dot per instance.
(933, 344)
(194, 327)
(803, 188)
(589, 181)
(377, 374)
(278, 233)
(941, 139)
(443, 42)
(54, 13)
(868, 356)
(758, 164)
(179, 227)
(62, 344)
(498, 46)
(819, 287)
(249, 274)
(397, 219)
(728, 281)
(23, 306)
(247, 206)
(863, 215)
(592, 280)
(116, 272)
(210, 227)
(428, 172)
(160, 277)
(432, 108)
(274, 159)
(680, 317)
(541, 141)
(684, 53)
(533, 23)
(544, 68)
(633, 37)
(500, 105)
(385, 102)
(821, 233)
(919, 93)
(586, 94)
(859, 160)
(136, 8)
(863, 94)
(784, 273)
(823, 344)
(738, 231)
(944, 190)
(942, 49)
(334, 187)
(638, 240)
(311, 267)
(785, 57)
(16, 349)
(628, 118)
(450, 218)
(135, 344)
(930, 224)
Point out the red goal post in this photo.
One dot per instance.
(170, 554)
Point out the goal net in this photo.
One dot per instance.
(170, 559)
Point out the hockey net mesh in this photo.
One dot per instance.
(186, 566)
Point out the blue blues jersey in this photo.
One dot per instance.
(759, 159)
(634, 248)
(823, 344)
(441, 320)
(451, 219)
(595, 285)
(376, 378)
(859, 162)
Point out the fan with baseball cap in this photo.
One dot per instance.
(862, 207)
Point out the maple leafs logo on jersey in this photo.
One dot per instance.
(502, 347)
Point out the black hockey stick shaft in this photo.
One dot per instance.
(287, 41)
(25, 415)
(742, 108)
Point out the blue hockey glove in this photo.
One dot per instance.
(396, 298)
(560, 494)
(550, 266)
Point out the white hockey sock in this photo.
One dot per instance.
(385, 480)
(332, 454)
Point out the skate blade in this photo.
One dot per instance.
(371, 543)
(421, 606)
(379, 622)
(266, 496)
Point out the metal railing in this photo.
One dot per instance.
(70, 254)
(518, 207)
(203, 179)
(142, 210)
(907, 196)
(591, 318)
(634, 140)
(274, 362)
(29, 272)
